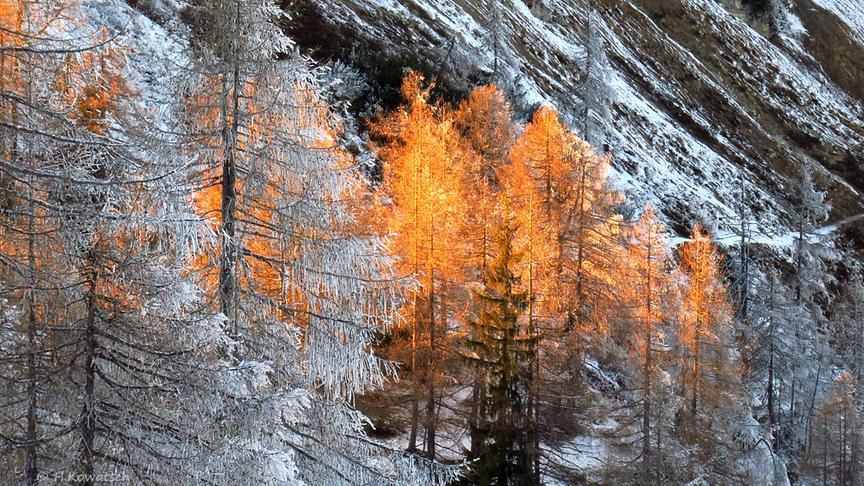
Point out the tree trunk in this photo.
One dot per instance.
(580, 242)
(843, 438)
(430, 399)
(31, 468)
(228, 235)
(477, 438)
(798, 259)
(770, 390)
(825, 450)
(646, 402)
(695, 391)
(87, 420)
(415, 391)
(415, 407)
(772, 420)
(745, 259)
(815, 391)
(534, 357)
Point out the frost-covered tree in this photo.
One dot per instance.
(771, 354)
(774, 12)
(742, 272)
(37, 128)
(811, 253)
(302, 289)
(495, 33)
(597, 95)
(21, 274)
(109, 358)
(811, 210)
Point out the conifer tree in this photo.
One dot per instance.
(705, 315)
(115, 352)
(501, 347)
(484, 121)
(717, 419)
(834, 456)
(597, 94)
(495, 35)
(648, 256)
(775, 318)
(424, 206)
(536, 239)
(303, 291)
(809, 279)
(571, 181)
(849, 331)
(571, 226)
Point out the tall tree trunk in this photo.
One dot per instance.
(31, 468)
(534, 357)
(799, 263)
(772, 421)
(228, 235)
(696, 363)
(430, 399)
(580, 242)
(646, 402)
(477, 437)
(815, 391)
(825, 450)
(769, 389)
(415, 406)
(844, 430)
(744, 284)
(87, 419)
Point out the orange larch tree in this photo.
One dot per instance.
(572, 207)
(571, 180)
(485, 123)
(705, 315)
(645, 292)
(424, 204)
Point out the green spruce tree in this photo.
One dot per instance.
(500, 347)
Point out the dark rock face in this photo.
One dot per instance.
(834, 45)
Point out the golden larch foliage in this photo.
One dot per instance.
(422, 180)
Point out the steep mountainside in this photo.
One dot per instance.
(704, 95)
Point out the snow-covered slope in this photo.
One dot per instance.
(703, 96)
